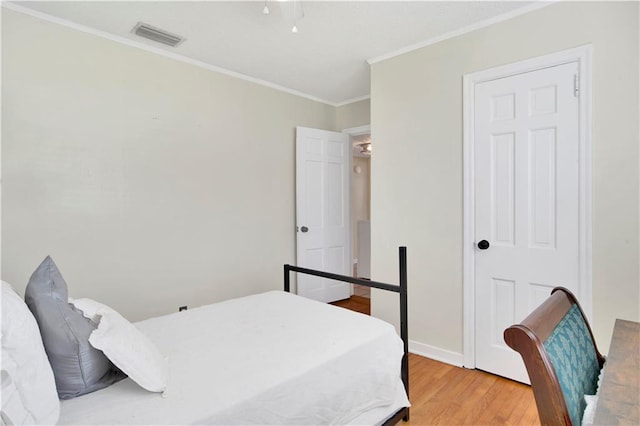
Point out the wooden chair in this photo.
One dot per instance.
(561, 357)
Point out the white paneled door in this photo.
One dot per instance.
(323, 161)
(526, 203)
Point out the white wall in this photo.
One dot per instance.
(354, 114)
(151, 182)
(416, 119)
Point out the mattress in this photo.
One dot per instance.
(271, 358)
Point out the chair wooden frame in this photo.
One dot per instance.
(528, 337)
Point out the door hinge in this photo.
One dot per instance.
(576, 85)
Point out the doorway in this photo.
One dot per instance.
(362, 149)
(333, 205)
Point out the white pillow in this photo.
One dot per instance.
(89, 308)
(125, 346)
(589, 410)
(29, 394)
(592, 402)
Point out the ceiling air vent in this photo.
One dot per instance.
(156, 34)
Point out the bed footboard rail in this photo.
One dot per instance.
(401, 289)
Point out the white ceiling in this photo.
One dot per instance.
(326, 60)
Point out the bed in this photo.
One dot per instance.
(328, 365)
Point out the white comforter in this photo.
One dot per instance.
(272, 358)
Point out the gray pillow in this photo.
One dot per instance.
(77, 366)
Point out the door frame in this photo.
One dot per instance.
(583, 56)
(354, 131)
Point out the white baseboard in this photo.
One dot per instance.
(438, 354)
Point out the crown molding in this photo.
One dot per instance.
(181, 58)
(175, 56)
(353, 100)
(470, 28)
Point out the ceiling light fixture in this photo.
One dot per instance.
(298, 12)
(365, 148)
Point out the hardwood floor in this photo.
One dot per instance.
(356, 303)
(442, 394)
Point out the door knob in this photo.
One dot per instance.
(304, 229)
(483, 245)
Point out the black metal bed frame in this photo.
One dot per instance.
(401, 289)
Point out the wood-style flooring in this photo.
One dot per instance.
(356, 303)
(442, 394)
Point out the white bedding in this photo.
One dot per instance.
(272, 358)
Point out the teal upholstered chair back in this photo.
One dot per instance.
(561, 357)
(573, 355)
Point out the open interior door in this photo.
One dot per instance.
(323, 160)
